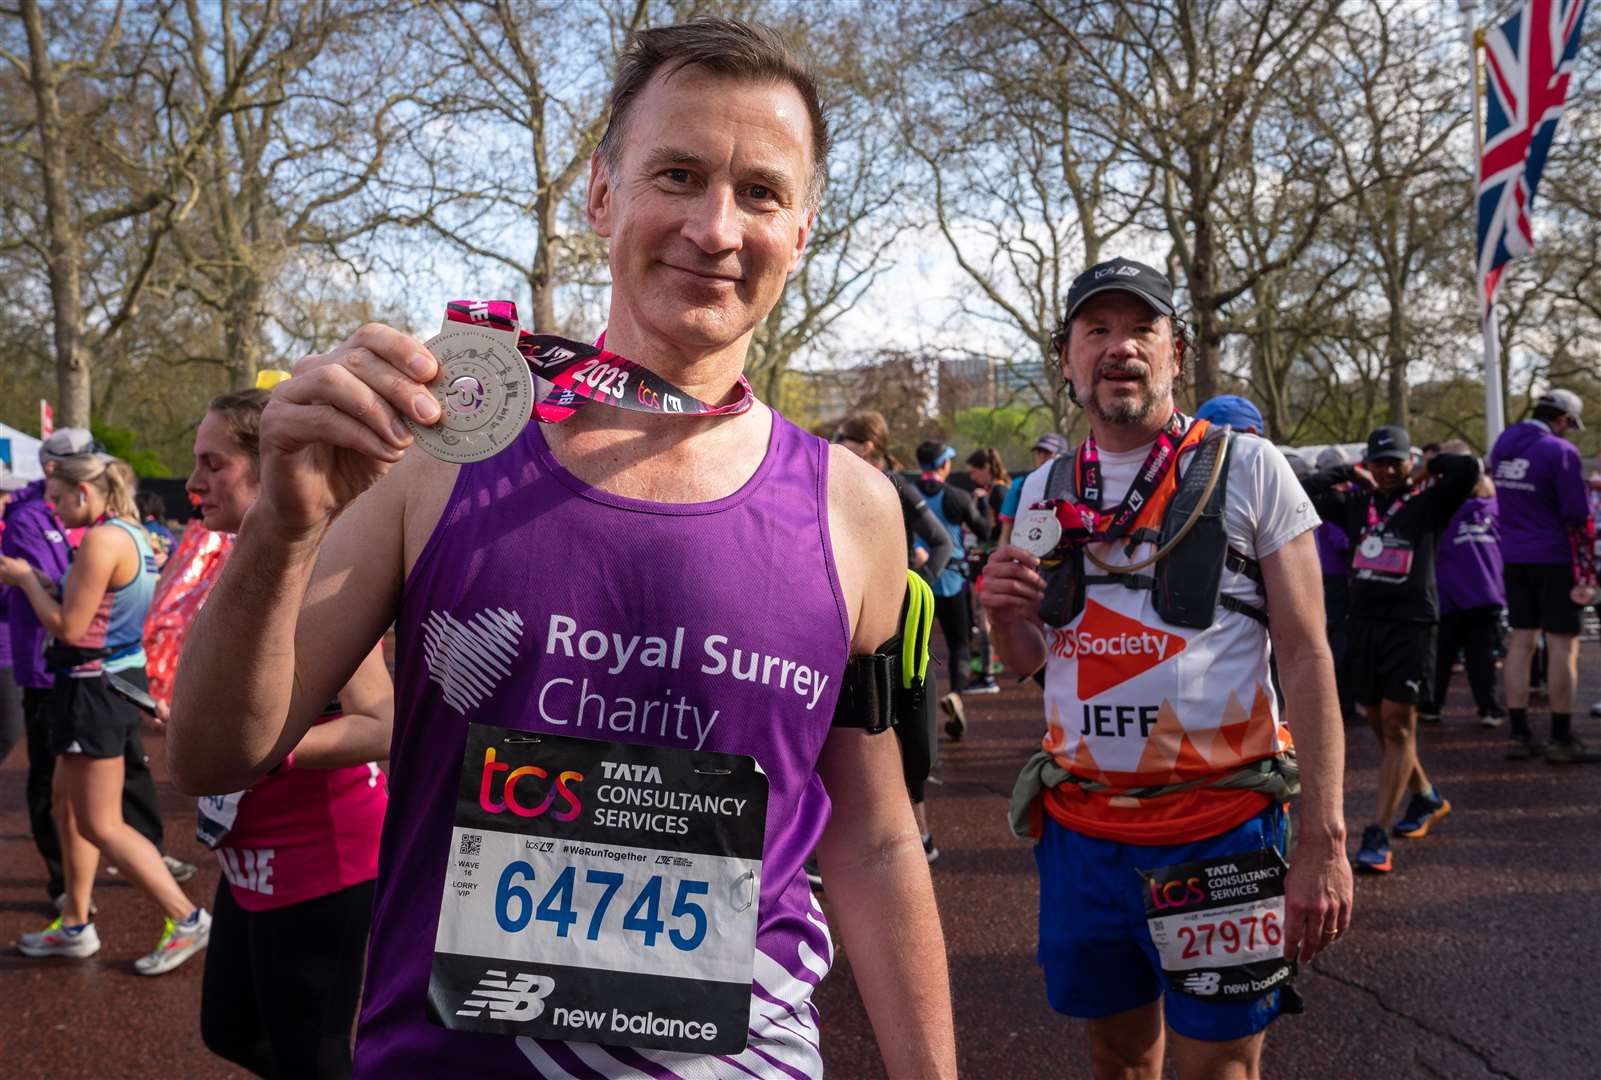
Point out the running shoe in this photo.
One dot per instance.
(930, 852)
(1595, 710)
(1572, 752)
(58, 940)
(179, 941)
(181, 871)
(1524, 747)
(956, 716)
(1489, 720)
(1374, 855)
(1428, 718)
(60, 901)
(986, 686)
(1421, 814)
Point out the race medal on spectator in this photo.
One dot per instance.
(600, 892)
(484, 390)
(1037, 531)
(1584, 595)
(1218, 925)
(1372, 547)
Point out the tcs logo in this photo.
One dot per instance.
(1172, 894)
(508, 795)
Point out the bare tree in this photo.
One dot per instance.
(110, 162)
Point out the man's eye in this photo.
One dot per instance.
(677, 176)
(760, 191)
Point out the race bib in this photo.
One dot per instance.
(600, 892)
(215, 817)
(1385, 559)
(1218, 925)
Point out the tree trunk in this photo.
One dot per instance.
(1397, 361)
(75, 401)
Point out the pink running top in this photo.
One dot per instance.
(305, 833)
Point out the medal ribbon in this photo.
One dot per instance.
(590, 374)
(1376, 525)
(1083, 521)
(1583, 539)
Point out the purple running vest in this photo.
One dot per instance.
(525, 561)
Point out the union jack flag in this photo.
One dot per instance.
(1530, 59)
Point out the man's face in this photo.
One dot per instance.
(1388, 473)
(706, 210)
(1120, 358)
(1041, 457)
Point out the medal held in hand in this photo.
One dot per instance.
(484, 390)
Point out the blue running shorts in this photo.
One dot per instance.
(1094, 944)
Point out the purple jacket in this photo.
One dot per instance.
(32, 533)
(1333, 549)
(1539, 483)
(1469, 564)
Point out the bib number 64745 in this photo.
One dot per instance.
(515, 906)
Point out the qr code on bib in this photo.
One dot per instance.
(471, 844)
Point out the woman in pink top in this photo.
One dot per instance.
(299, 850)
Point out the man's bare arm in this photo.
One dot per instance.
(1318, 890)
(1012, 593)
(871, 854)
(256, 669)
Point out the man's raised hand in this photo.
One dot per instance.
(334, 428)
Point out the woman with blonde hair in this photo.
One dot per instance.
(95, 617)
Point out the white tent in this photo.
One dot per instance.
(24, 455)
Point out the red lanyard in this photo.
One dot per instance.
(1083, 522)
(1375, 524)
(589, 373)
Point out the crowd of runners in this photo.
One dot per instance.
(645, 650)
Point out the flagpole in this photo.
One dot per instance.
(1494, 417)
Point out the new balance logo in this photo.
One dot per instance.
(1512, 469)
(518, 999)
(1204, 983)
(1112, 648)
(468, 660)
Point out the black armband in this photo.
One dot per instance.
(878, 689)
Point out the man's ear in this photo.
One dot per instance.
(597, 201)
(801, 238)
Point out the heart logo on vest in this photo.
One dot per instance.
(468, 660)
(1112, 648)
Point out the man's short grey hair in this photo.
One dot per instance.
(727, 47)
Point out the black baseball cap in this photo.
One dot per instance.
(1126, 275)
(1389, 442)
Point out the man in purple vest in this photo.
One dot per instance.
(1539, 481)
(675, 594)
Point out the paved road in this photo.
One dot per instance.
(1477, 958)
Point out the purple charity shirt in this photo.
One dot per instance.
(522, 544)
(1333, 549)
(32, 533)
(1539, 484)
(1468, 567)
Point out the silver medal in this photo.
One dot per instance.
(485, 394)
(1372, 547)
(1037, 532)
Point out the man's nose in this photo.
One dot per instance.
(714, 223)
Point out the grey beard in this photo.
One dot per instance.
(1124, 411)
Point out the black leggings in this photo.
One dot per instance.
(1477, 633)
(281, 986)
(955, 616)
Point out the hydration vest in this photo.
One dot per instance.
(950, 581)
(1187, 582)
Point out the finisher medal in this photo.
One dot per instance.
(485, 394)
(1372, 547)
(1037, 531)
